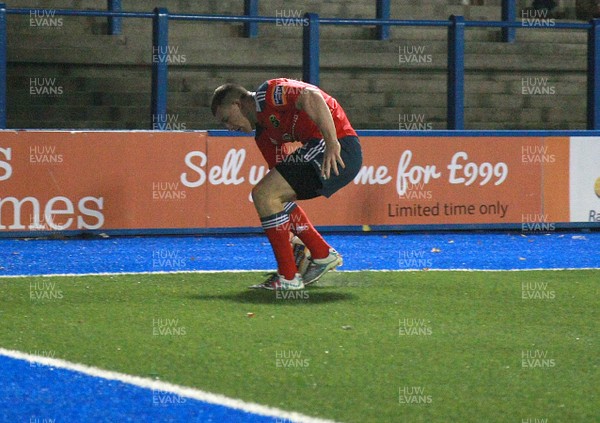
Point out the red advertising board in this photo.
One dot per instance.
(58, 180)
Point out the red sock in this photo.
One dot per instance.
(277, 228)
(303, 229)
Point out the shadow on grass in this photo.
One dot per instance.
(291, 298)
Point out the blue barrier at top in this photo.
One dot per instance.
(310, 65)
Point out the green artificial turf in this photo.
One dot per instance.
(360, 347)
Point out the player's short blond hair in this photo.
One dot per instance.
(226, 94)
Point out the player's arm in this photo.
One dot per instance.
(313, 104)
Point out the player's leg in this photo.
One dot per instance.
(303, 173)
(269, 197)
(351, 154)
(302, 227)
(323, 257)
(302, 177)
(271, 194)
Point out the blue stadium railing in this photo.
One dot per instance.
(456, 26)
(382, 12)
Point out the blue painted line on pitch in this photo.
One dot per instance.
(38, 393)
(477, 251)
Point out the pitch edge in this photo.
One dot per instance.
(183, 272)
(182, 391)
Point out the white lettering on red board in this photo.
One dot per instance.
(460, 171)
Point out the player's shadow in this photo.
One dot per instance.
(290, 298)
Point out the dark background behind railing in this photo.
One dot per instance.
(456, 27)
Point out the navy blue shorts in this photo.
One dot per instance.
(302, 168)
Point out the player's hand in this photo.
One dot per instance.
(331, 159)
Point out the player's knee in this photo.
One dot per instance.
(259, 193)
(266, 200)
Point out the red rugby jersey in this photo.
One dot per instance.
(279, 121)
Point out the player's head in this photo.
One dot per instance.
(232, 105)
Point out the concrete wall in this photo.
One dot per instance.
(539, 82)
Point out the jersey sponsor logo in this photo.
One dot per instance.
(274, 121)
(279, 95)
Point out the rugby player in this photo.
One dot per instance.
(282, 111)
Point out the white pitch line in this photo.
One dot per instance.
(146, 272)
(182, 391)
(183, 272)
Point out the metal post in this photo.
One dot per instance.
(251, 9)
(310, 49)
(2, 66)
(593, 76)
(114, 23)
(383, 12)
(456, 73)
(509, 13)
(160, 57)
